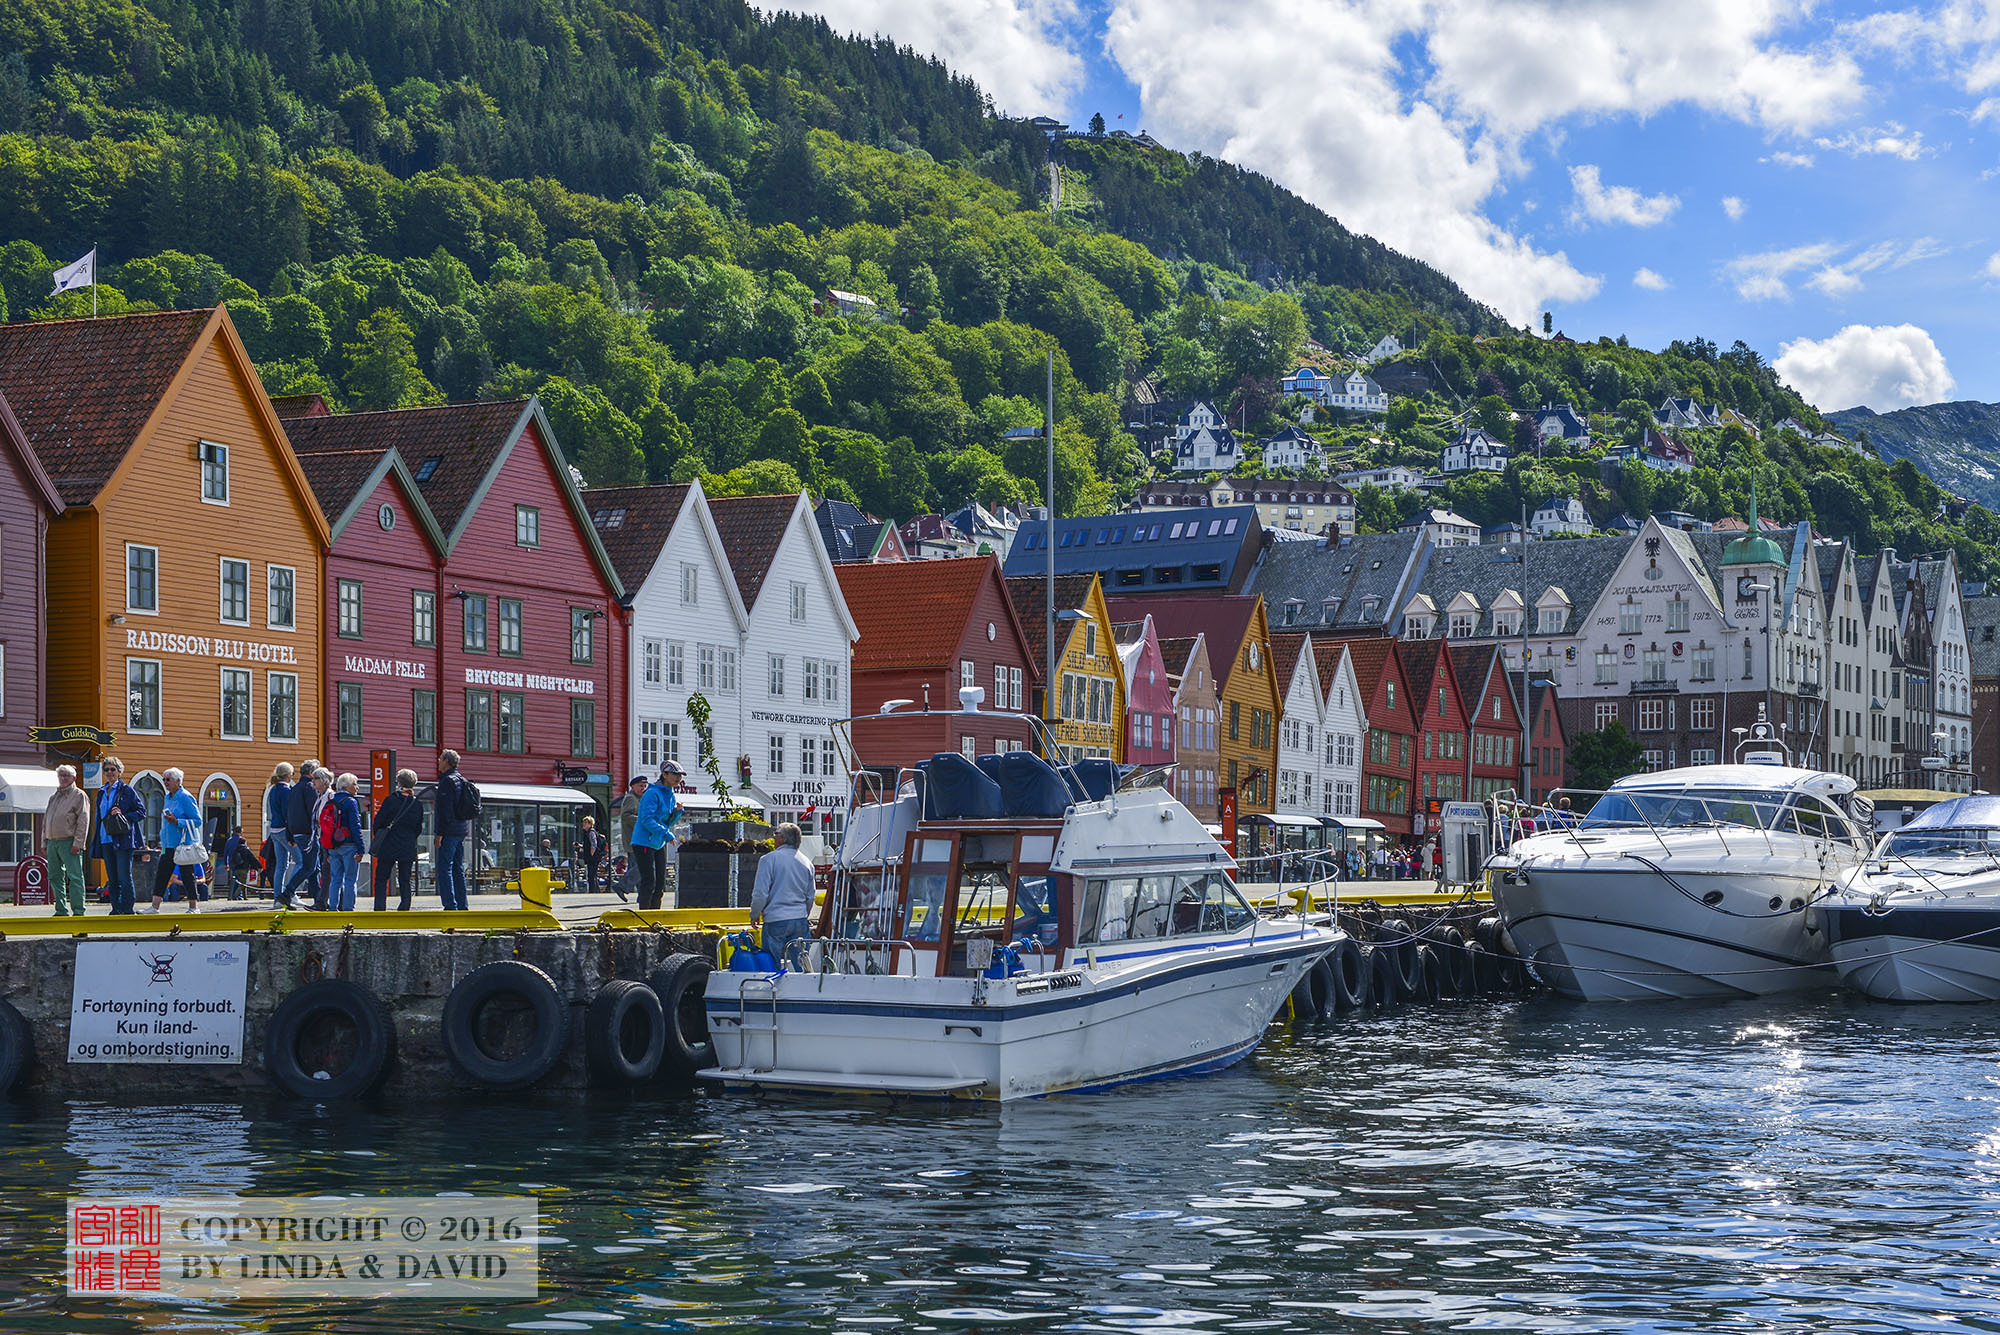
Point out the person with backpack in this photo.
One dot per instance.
(653, 834)
(398, 824)
(120, 812)
(340, 836)
(454, 808)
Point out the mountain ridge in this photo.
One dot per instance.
(1957, 443)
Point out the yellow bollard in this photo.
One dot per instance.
(535, 889)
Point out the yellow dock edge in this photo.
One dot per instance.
(294, 920)
(1323, 899)
(677, 920)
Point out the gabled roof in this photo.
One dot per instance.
(1982, 630)
(16, 441)
(1420, 665)
(633, 524)
(1029, 596)
(343, 479)
(752, 527)
(1319, 578)
(84, 391)
(1285, 651)
(1372, 658)
(467, 439)
(1177, 652)
(1225, 621)
(1474, 665)
(914, 614)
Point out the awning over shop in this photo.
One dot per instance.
(1288, 822)
(524, 794)
(26, 789)
(1355, 822)
(702, 799)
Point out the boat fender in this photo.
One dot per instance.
(17, 1047)
(681, 983)
(624, 1033)
(1428, 974)
(1487, 933)
(472, 1034)
(1349, 966)
(1454, 961)
(295, 1041)
(1399, 944)
(1383, 992)
(1487, 971)
(1309, 995)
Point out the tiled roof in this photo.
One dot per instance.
(632, 523)
(751, 527)
(1420, 664)
(1285, 651)
(465, 438)
(1176, 651)
(288, 406)
(82, 389)
(336, 475)
(912, 614)
(1313, 574)
(1030, 599)
(1371, 657)
(1473, 663)
(1224, 620)
(1982, 628)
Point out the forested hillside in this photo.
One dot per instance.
(1956, 443)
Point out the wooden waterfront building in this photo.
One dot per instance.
(28, 501)
(1085, 704)
(183, 593)
(1186, 658)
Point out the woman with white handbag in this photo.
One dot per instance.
(181, 843)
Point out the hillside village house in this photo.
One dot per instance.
(850, 533)
(1560, 515)
(1355, 391)
(1388, 346)
(1149, 695)
(1203, 442)
(485, 620)
(1442, 528)
(1561, 422)
(1292, 449)
(28, 502)
(1084, 702)
(1474, 450)
(1195, 709)
(927, 629)
(183, 587)
(1296, 504)
(1387, 476)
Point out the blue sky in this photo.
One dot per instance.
(1818, 180)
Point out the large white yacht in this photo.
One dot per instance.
(1920, 920)
(1693, 882)
(1003, 929)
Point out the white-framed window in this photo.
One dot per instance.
(1605, 714)
(808, 756)
(1630, 616)
(214, 473)
(676, 664)
(1701, 714)
(726, 670)
(281, 715)
(1701, 755)
(1655, 664)
(1549, 620)
(1677, 614)
(142, 579)
(690, 584)
(348, 600)
(777, 753)
(670, 741)
(1655, 761)
(235, 599)
(1655, 715)
(1013, 688)
(1704, 663)
(423, 617)
(966, 672)
(281, 597)
(236, 704)
(649, 743)
(1464, 625)
(1607, 666)
(650, 659)
(798, 600)
(812, 679)
(527, 526)
(142, 695)
(776, 681)
(704, 667)
(829, 678)
(999, 685)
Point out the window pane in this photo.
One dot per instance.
(423, 717)
(281, 600)
(350, 712)
(510, 625)
(142, 588)
(423, 617)
(235, 703)
(283, 724)
(142, 693)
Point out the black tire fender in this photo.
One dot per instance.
(1429, 970)
(1400, 945)
(1312, 995)
(1487, 932)
(1349, 964)
(294, 1047)
(1455, 963)
(624, 1033)
(681, 983)
(466, 1033)
(17, 1047)
(1383, 992)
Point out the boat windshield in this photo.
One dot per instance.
(1752, 807)
(1974, 843)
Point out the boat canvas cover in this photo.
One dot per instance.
(1980, 812)
(1029, 788)
(956, 789)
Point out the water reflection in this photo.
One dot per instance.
(1828, 1165)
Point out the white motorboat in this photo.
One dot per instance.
(1693, 882)
(1003, 929)
(1920, 920)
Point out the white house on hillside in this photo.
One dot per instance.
(1292, 449)
(1359, 394)
(1560, 514)
(1389, 475)
(1382, 351)
(1203, 442)
(1560, 421)
(1442, 527)
(1475, 449)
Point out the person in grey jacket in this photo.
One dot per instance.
(66, 829)
(782, 899)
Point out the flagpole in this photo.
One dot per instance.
(93, 280)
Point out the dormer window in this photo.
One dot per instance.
(1549, 621)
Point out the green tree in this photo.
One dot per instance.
(1599, 759)
(759, 477)
(381, 366)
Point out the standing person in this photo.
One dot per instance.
(628, 816)
(452, 815)
(66, 832)
(652, 832)
(1437, 862)
(340, 836)
(276, 798)
(394, 847)
(781, 901)
(590, 849)
(242, 863)
(303, 835)
(120, 813)
(181, 849)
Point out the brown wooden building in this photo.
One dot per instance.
(1195, 712)
(183, 574)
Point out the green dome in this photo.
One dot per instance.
(1753, 548)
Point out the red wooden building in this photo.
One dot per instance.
(470, 606)
(1441, 729)
(1548, 745)
(1149, 694)
(28, 502)
(926, 629)
(1389, 754)
(1493, 760)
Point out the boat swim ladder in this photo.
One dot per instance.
(766, 994)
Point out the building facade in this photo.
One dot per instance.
(1301, 727)
(1239, 646)
(1149, 695)
(27, 504)
(1084, 702)
(1195, 703)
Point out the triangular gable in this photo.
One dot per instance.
(695, 506)
(391, 467)
(532, 414)
(17, 444)
(800, 528)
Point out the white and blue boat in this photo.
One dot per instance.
(1002, 928)
(1920, 920)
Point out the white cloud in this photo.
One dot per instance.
(1765, 276)
(1992, 269)
(1893, 140)
(1649, 280)
(1882, 366)
(1598, 202)
(1734, 206)
(1022, 52)
(1784, 159)
(1762, 277)
(1962, 36)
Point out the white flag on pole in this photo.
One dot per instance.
(81, 274)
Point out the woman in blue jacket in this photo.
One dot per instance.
(180, 826)
(653, 833)
(343, 843)
(116, 850)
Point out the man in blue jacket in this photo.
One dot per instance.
(653, 834)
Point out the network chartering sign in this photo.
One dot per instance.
(161, 1002)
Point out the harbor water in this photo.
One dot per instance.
(1817, 1164)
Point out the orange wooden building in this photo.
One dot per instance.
(183, 576)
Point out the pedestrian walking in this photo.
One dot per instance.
(628, 816)
(652, 834)
(781, 899)
(66, 833)
(340, 836)
(241, 861)
(120, 813)
(590, 850)
(182, 852)
(454, 806)
(302, 831)
(398, 826)
(276, 798)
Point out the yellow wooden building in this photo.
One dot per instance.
(1085, 705)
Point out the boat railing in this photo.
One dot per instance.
(1513, 819)
(839, 950)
